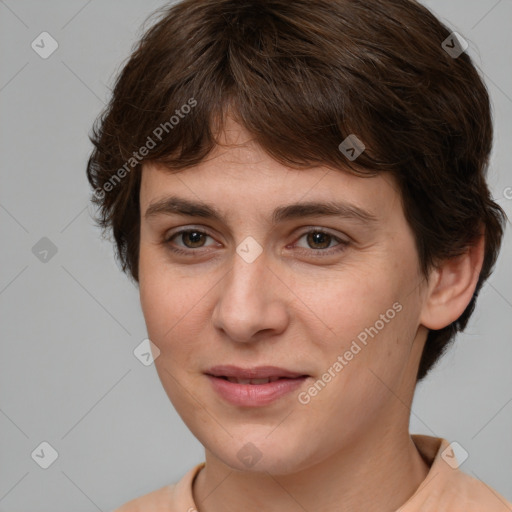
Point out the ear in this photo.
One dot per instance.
(452, 286)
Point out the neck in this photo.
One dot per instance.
(375, 472)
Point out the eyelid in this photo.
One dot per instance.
(319, 229)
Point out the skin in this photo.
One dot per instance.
(349, 448)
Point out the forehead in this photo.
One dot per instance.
(238, 173)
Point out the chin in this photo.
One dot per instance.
(265, 455)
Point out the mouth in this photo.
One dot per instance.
(251, 387)
(267, 380)
(255, 375)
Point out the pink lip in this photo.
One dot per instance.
(254, 395)
(258, 372)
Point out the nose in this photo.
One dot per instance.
(252, 301)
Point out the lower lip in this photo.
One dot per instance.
(254, 395)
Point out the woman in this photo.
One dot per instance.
(298, 189)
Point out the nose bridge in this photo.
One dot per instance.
(249, 266)
(248, 301)
(244, 285)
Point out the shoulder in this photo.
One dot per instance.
(447, 488)
(174, 497)
(154, 501)
(470, 494)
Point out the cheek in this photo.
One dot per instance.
(369, 320)
(159, 295)
(170, 322)
(353, 303)
(172, 312)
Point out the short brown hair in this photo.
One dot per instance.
(301, 76)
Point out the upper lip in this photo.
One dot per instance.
(258, 372)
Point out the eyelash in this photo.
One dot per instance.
(342, 244)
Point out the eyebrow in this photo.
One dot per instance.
(177, 205)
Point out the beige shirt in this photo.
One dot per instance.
(445, 489)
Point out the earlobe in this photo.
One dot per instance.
(452, 286)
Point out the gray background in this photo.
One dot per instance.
(68, 374)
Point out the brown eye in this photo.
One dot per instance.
(194, 237)
(319, 241)
(190, 239)
(318, 238)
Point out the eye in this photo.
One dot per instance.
(319, 241)
(192, 239)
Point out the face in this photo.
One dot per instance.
(334, 297)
